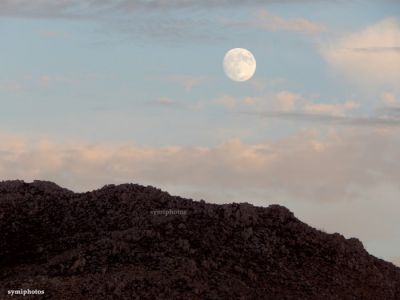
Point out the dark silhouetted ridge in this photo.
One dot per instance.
(135, 242)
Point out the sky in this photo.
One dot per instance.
(115, 91)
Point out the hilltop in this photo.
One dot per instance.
(135, 242)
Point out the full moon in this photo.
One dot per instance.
(239, 64)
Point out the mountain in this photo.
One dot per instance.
(135, 242)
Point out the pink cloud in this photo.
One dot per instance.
(307, 165)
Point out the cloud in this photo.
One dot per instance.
(47, 80)
(283, 101)
(287, 100)
(287, 104)
(164, 101)
(396, 261)
(261, 83)
(228, 102)
(51, 34)
(10, 86)
(267, 21)
(43, 8)
(307, 165)
(333, 109)
(167, 21)
(187, 81)
(377, 49)
(86, 8)
(140, 19)
(167, 102)
(81, 8)
(389, 99)
(387, 120)
(371, 56)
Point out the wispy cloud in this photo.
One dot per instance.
(287, 103)
(10, 86)
(166, 102)
(265, 20)
(377, 49)
(371, 56)
(81, 8)
(48, 80)
(333, 109)
(54, 34)
(368, 121)
(283, 100)
(166, 21)
(390, 99)
(268, 21)
(187, 81)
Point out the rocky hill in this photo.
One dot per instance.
(136, 242)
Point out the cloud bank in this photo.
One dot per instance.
(306, 166)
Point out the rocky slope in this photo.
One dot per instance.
(114, 243)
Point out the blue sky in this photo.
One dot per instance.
(134, 91)
(95, 65)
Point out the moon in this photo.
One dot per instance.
(239, 64)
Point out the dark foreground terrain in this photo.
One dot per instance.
(111, 244)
